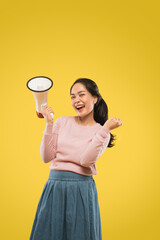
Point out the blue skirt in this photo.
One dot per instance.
(68, 209)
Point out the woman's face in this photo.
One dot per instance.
(81, 100)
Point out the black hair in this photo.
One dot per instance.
(100, 108)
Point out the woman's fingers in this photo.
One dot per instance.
(43, 108)
(119, 121)
(48, 113)
(46, 109)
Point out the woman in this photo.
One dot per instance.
(68, 208)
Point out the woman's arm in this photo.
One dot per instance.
(49, 141)
(99, 143)
(95, 147)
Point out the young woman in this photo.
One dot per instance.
(68, 208)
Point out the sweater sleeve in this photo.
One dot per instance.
(49, 141)
(95, 147)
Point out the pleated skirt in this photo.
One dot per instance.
(68, 209)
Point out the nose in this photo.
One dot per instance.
(77, 99)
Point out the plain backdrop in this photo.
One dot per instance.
(114, 43)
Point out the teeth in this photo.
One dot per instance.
(79, 107)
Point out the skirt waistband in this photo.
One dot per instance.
(68, 175)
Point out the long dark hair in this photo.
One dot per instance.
(100, 108)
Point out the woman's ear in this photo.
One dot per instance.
(95, 99)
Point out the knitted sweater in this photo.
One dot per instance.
(70, 146)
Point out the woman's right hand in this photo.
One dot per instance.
(112, 123)
(46, 111)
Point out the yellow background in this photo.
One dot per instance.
(115, 43)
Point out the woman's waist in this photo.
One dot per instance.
(68, 175)
(73, 167)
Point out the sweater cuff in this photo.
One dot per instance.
(48, 129)
(104, 131)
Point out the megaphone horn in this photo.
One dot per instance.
(39, 86)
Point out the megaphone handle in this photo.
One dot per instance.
(44, 104)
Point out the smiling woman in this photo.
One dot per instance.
(68, 207)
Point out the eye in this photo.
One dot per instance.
(81, 94)
(72, 97)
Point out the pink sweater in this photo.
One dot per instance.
(73, 147)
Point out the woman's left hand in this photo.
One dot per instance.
(112, 123)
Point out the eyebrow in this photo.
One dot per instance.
(78, 92)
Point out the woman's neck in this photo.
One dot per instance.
(86, 120)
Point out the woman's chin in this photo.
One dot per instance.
(81, 114)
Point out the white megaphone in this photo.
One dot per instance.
(39, 87)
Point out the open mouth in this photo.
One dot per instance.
(79, 108)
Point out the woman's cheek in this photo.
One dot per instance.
(91, 106)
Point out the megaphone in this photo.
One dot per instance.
(39, 86)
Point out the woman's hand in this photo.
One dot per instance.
(46, 111)
(112, 123)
